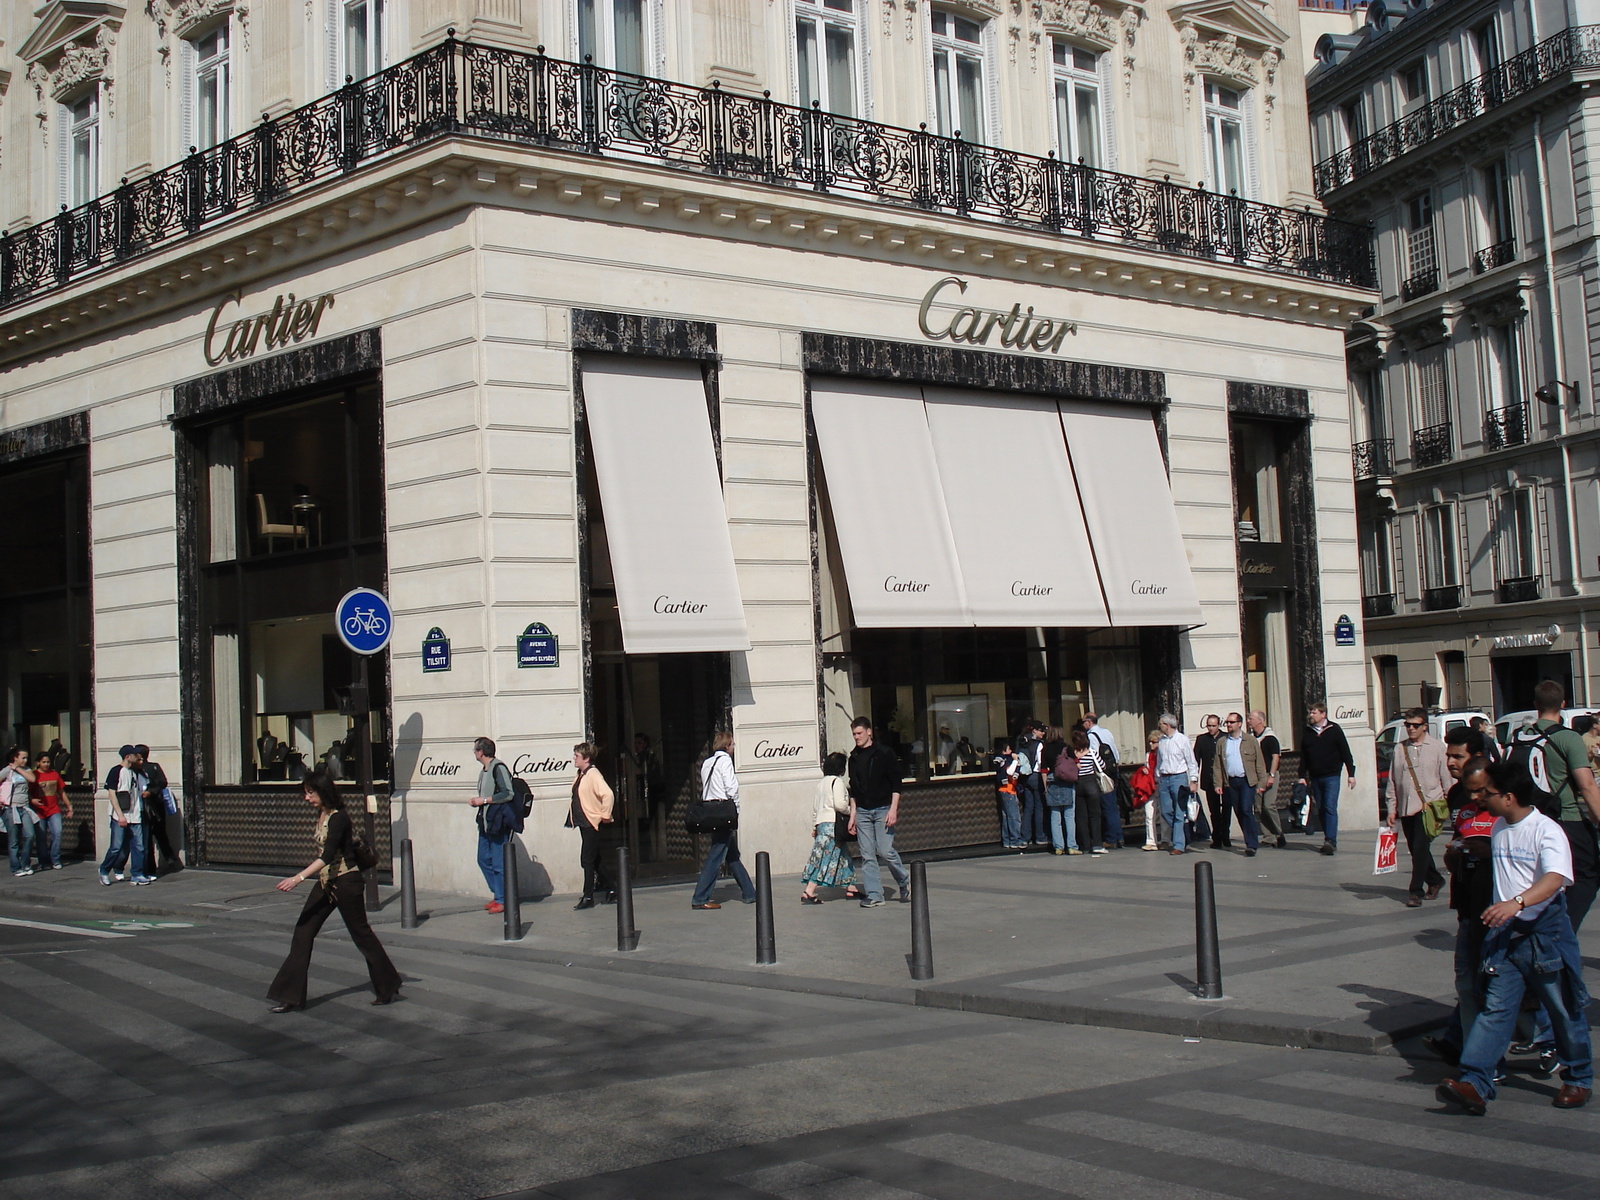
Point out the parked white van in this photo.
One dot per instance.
(1508, 723)
(1394, 732)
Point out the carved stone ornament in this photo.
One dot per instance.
(1502, 308)
(1433, 330)
(76, 64)
(1233, 41)
(1103, 25)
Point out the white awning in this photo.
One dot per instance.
(661, 495)
(1014, 510)
(1133, 526)
(888, 508)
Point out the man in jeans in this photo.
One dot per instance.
(1238, 773)
(1104, 745)
(1178, 775)
(874, 812)
(126, 786)
(1323, 752)
(494, 787)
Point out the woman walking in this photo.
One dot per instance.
(592, 803)
(338, 886)
(718, 782)
(829, 864)
(1060, 793)
(50, 804)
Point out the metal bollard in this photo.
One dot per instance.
(766, 934)
(921, 924)
(513, 893)
(627, 935)
(408, 887)
(1207, 956)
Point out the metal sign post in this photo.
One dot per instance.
(365, 623)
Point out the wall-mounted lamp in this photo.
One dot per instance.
(1550, 392)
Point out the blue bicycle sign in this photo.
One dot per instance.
(364, 621)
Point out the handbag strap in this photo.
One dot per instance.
(1412, 771)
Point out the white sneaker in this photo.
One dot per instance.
(24, 871)
(105, 879)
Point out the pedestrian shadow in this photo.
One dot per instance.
(1436, 939)
(1373, 891)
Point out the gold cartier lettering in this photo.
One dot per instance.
(1019, 328)
(285, 322)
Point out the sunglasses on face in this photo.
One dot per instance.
(1416, 724)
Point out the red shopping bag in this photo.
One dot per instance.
(1386, 854)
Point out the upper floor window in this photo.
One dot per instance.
(1077, 80)
(364, 35)
(1486, 46)
(1439, 567)
(613, 33)
(1433, 390)
(1495, 197)
(81, 149)
(825, 55)
(1414, 86)
(1377, 564)
(958, 76)
(1373, 407)
(1422, 259)
(1225, 155)
(1355, 122)
(1505, 366)
(209, 89)
(1517, 543)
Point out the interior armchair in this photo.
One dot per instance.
(270, 531)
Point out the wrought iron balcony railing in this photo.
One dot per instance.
(1570, 49)
(1374, 459)
(1506, 427)
(1420, 284)
(1439, 598)
(1431, 446)
(1497, 255)
(1380, 605)
(457, 89)
(1518, 591)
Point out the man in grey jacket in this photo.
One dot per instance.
(494, 787)
(1237, 772)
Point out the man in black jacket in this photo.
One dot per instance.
(874, 811)
(155, 818)
(1323, 751)
(1205, 749)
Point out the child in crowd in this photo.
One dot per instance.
(1005, 786)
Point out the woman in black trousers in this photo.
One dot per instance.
(338, 887)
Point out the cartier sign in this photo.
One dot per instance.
(1018, 328)
(285, 322)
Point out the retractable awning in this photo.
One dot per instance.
(1133, 525)
(661, 494)
(888, 506)
(1014, 510)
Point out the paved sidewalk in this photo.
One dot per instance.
(1315, 951)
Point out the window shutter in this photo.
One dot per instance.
(1108, 107)
(334, 13)
(1252, 167)
(63, 156)
(188, 69)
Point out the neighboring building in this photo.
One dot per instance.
(771, 415)
(1463, 131)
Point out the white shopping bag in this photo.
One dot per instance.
(1386, 854)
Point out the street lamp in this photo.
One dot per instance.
(1550, 392)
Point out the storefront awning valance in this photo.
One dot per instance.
(1133, 525)
(661, 493)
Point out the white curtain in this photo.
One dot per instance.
(226, 763)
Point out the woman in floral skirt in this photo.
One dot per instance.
(829, 864)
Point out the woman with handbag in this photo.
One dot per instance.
(719, 787)
(1061, 791)
(1090, 810)
(592, 804)
(829, 864)
(1419, 781)
(341, 859)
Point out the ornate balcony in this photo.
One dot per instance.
(1431, 446)
(1552, 58)
(1440, 598)
(1506, 427)
(1381, 605)
(1374, 459)
(1518, 591)
(1420, 284)
(461, 90)
(1497, 255)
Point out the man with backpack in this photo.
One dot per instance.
(1564, 788)
(496, 820)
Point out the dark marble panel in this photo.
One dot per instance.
(651, 337)
(1269, 400)
(279, 375)
(1307, 651)
(46, 437)
(911, 362)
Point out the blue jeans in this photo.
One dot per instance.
(1031, 791)
(1175, 805)
(876, 839)
(49, 845)
(1061, 799)
(19, 834)
(492, 862)
(126, 846)
(1241, 798)
(1010, 820)
(1469, 983)
(1112, 816)
(1490, 1035)
(724, 847)
(1325, 804)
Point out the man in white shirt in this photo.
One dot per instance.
(1178, 775)
(1530, 946)
(125, 786)
(1098, 733)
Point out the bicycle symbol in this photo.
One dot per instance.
(365, 620)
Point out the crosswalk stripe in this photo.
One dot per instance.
(1255, 1156)
(1047, 1171)
(810, 1181)
(1390, 1133)
(63, 1070)
(49, 928)
(1512, 1106)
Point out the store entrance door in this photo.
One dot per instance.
(654, 717)
(1516, 675)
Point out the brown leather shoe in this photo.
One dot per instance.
(1570, 1096)
(1453, 1091)
(1413, 901)
(1432, 893)
(712, 904)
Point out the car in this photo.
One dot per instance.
(1390, 735)
(1507, 724)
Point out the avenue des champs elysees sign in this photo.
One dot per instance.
(1016, 328)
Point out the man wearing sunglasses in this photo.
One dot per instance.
(1419, 776)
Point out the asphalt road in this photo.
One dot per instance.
(146, 1063)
